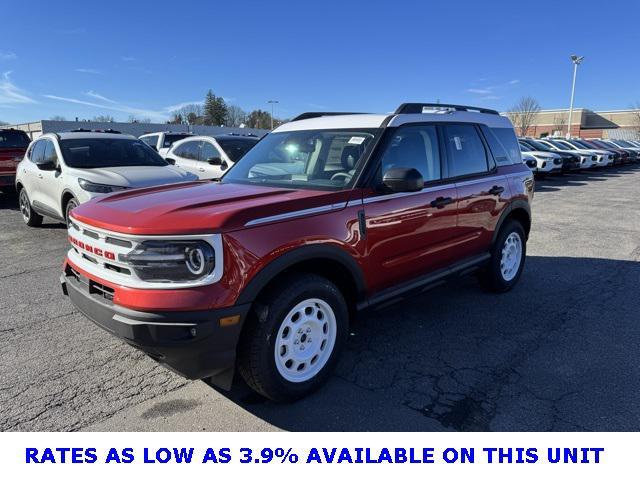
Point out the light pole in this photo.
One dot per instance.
(272, 102)
(576, 61)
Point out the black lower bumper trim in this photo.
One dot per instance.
(191, 343)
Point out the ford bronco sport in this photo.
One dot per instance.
(327, 215)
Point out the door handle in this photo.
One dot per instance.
(39, 175)
(496, 190)
(201, 169)
(441, 202)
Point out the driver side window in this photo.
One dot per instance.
(414, 146)
(188, 150)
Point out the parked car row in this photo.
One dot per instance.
(555, 155)
(60, 171)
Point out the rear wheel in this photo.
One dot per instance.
(30, 217)
(507, 258)
(293, 341)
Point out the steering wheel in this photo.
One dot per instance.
(339, 175)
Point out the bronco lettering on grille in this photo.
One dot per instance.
(95, 250)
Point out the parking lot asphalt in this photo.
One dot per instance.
(559, 352)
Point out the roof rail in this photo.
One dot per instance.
(307, 115)
(419, 107)
(106, 130)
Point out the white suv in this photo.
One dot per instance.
(61, 171)
(210, 157)
(161, 141)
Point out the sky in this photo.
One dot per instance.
(146, 58)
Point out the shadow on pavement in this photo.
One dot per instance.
(549, 355)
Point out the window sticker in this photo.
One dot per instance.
(356, 140)
(458, 142)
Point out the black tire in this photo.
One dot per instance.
(257, 347)
(492, 277)
(71, 204)
(30, 217)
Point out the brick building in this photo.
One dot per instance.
(587, 123)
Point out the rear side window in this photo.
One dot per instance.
(13, 139)
(208, 151)
(466, 154)
(414, 147)
(509, 142)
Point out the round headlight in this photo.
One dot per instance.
(194, 259)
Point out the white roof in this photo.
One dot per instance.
(334, 121)
(375, 120)
(76, 135)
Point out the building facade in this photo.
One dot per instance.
(586, 123)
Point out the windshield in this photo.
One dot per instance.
(171, 138)
(236, 148)
(109, 152)
(562, 145)
(314, 159)
(538, 146)
(13, 139)
(524, 147)
(624, 143)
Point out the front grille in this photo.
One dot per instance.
(96, 288)
(119, 242)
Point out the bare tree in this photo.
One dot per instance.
(103, 118)
(523, 114)
(189, 114)
(235, 116)
(559, 123)
(58, 118)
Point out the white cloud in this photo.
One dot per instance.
(490, 97)
(10, 94)
(127, 58)
(479, 91)
(8, 56)
(178, 106)
(97, 96)
(513, 82)
(113, 105)
(88, 70)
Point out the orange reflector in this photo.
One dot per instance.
(229, 321)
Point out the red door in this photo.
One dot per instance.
(409, 234)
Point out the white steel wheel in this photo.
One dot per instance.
(25, 208)
(305, 340)
(511, 256)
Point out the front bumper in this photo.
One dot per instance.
(191, 343)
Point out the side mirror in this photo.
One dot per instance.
(48, 166)
(403, 180)
(214, 161)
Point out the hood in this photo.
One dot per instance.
(197, 207)
(135, 177)
(542, 154)
(9, 158)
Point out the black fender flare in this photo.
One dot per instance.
(295, 256)
(518, 204)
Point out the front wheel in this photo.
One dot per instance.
(71, 204)
(507, 258)
(294, 337)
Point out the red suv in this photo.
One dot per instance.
(327, 215)
(13, 145)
